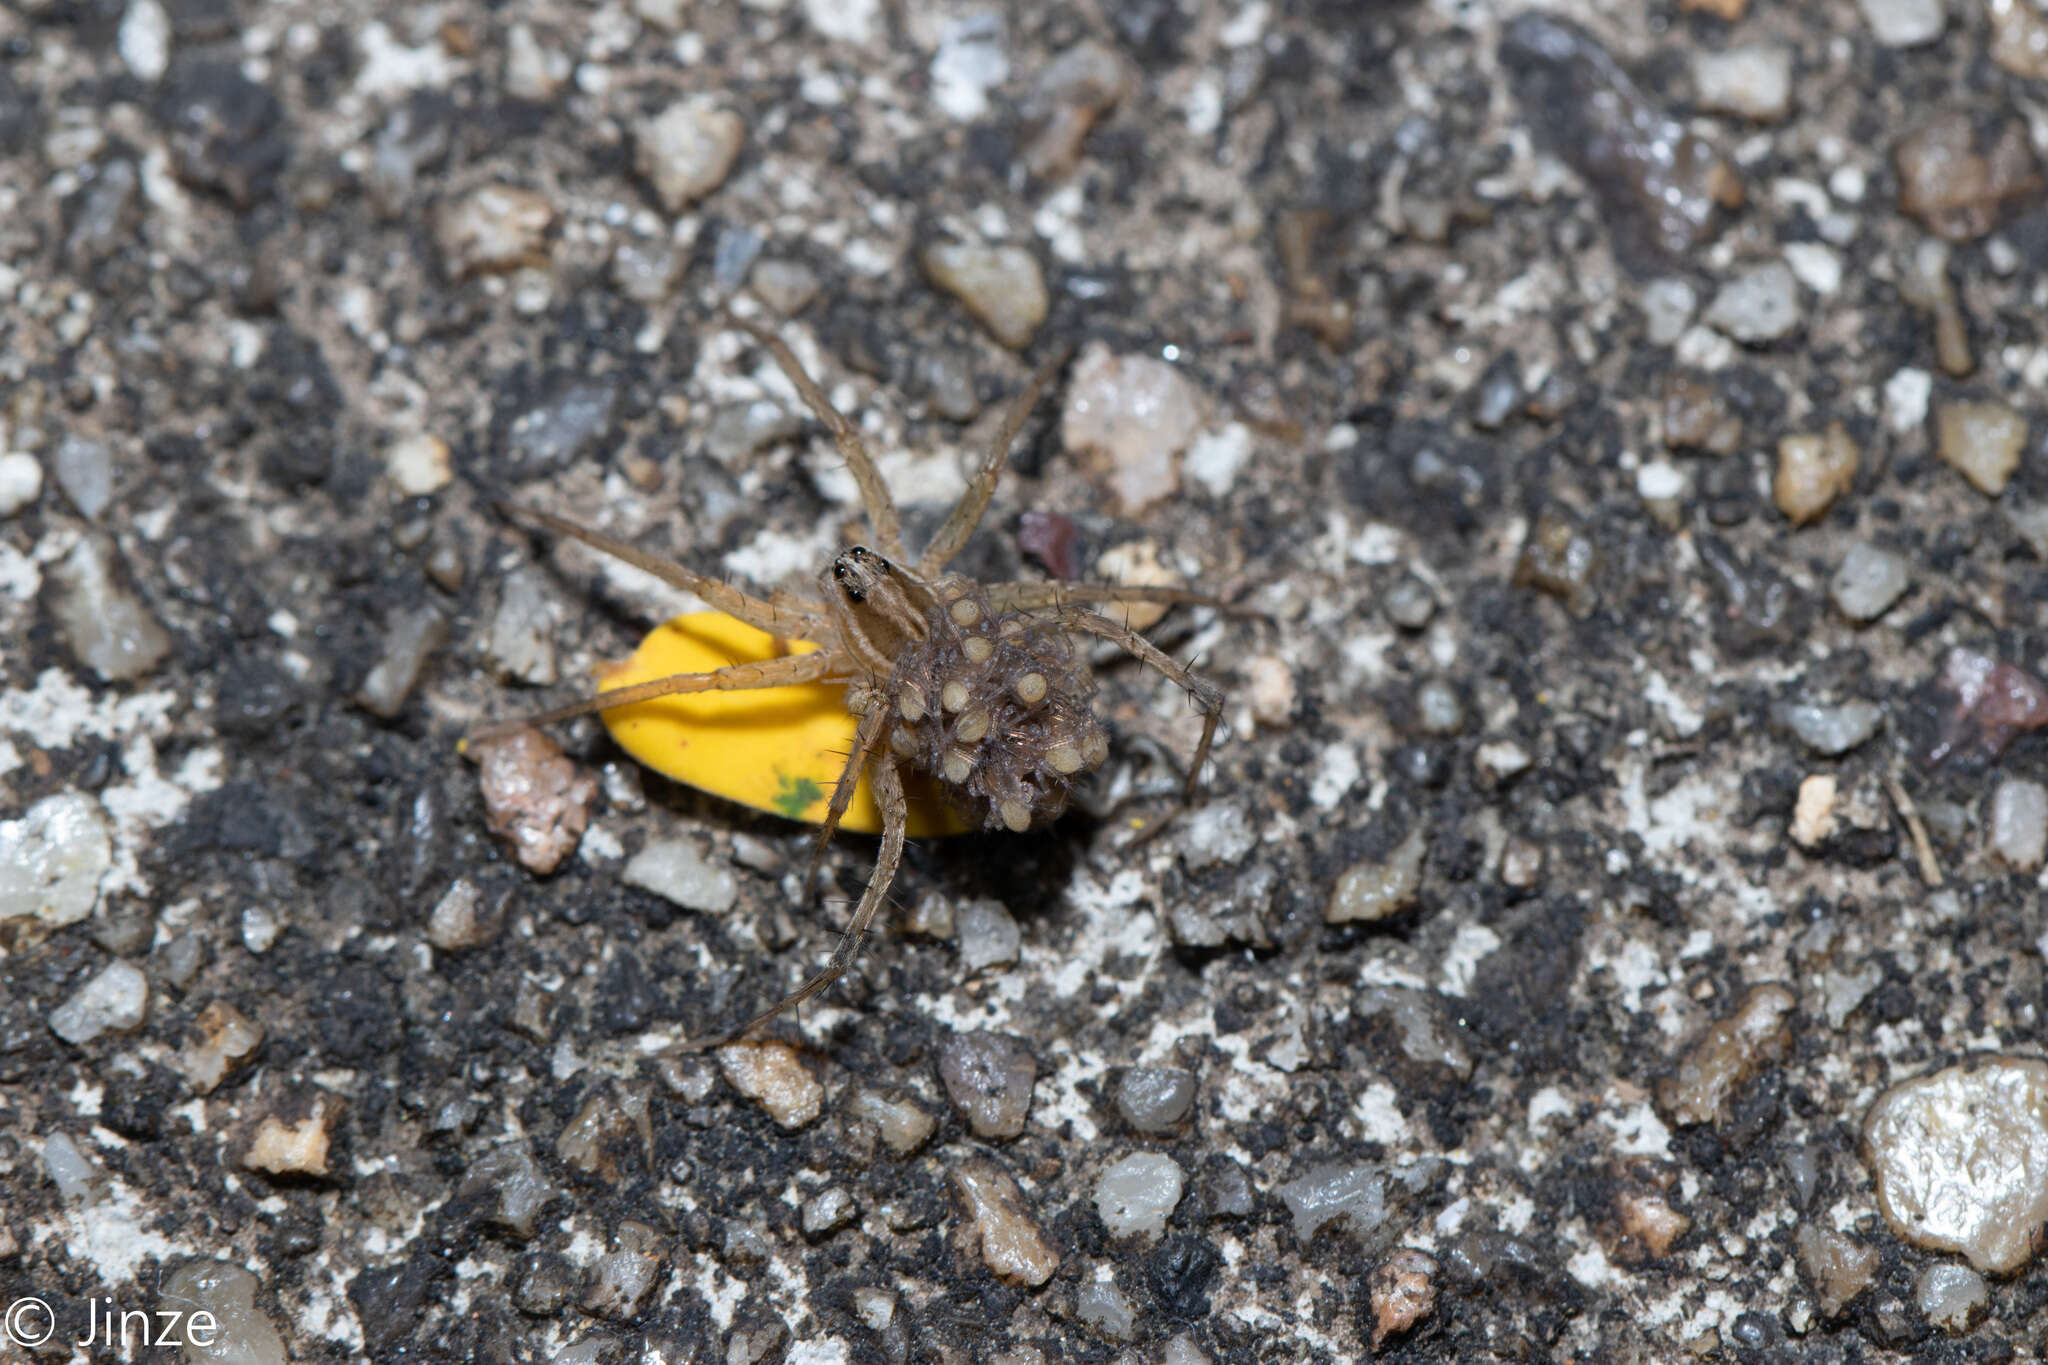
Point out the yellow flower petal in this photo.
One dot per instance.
(778, 749)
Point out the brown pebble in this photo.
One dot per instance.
(1837, 1266)
(998, 1224)
(1403, 1292)
(297, 1147)
(772, 1074)
(1732, 1050)
(1813, 471)
(535, 797)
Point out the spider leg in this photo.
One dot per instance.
(967, 513)
(1206, 695)
(874, 494)
(895, 817)
(783, 614)
(782, 672)
(868, 738)
(1031, 596)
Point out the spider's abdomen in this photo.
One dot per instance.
(996, 708)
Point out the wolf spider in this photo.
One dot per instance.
(976, 684)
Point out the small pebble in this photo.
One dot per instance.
(1105, 1308)
(532, 73)
(949, 384)
(2019, 37)
(1155, 1099)
(903, 1124)
(104, 624)
(1667, 305)
(1959, 1157)
(621, 1280)
(828, 1210)
(1954, 1298)
(570, 420)
(645, 269)
(1754, 81)
(1136, 564)
(999, 1225)
(419, 464)
(21, 482)
(243, 1333)
(516, 1187)
(1904, 23)
(1558, 558)
(1729, 1053)
(1438, 708)
(52, 859)
(1831, 730)
(1958, 183)
(521, 641)
(458, 921)
(78, 1178)
(1645, 1221)
(2019, 823)
(535, 798)
(1409, 603)
(1660, 188)
(1375, 889)
(1837, 1266)
(224, 1039)
(1270, 689)
(597, 1140)
(1131, 417)
(733, 257)
(1925, 284)
(687, 150)
(85, 471)
(1698, 416)
(772, 1074)
(1403, 1292)
(988, 1077)
(114, 1001)
(1869, 581)
(1813, 471)
(1499, 761)
(1002, 286)
(1136, 1195)
(1982, 440)
(738, 431)
(299, 1147)
(410, 638)
(786, 286)
(987, 935)
(1333, 1193)
(1072, 92)
(1759, 305)
(1214, 834)
(1813, 815)
(678, 870)
(491, 230)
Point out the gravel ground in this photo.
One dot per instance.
(1621, 424)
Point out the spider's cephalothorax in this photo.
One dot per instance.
(976, 684)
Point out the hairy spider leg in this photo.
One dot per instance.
(967, 513)
(1206, 695)
(786, 671)
(895, 817)
(783, 614)
(868, 737)
(874, 494)
(1037, 594)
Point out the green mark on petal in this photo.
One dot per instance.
(797, 795)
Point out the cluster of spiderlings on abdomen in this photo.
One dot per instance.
(995, 706)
